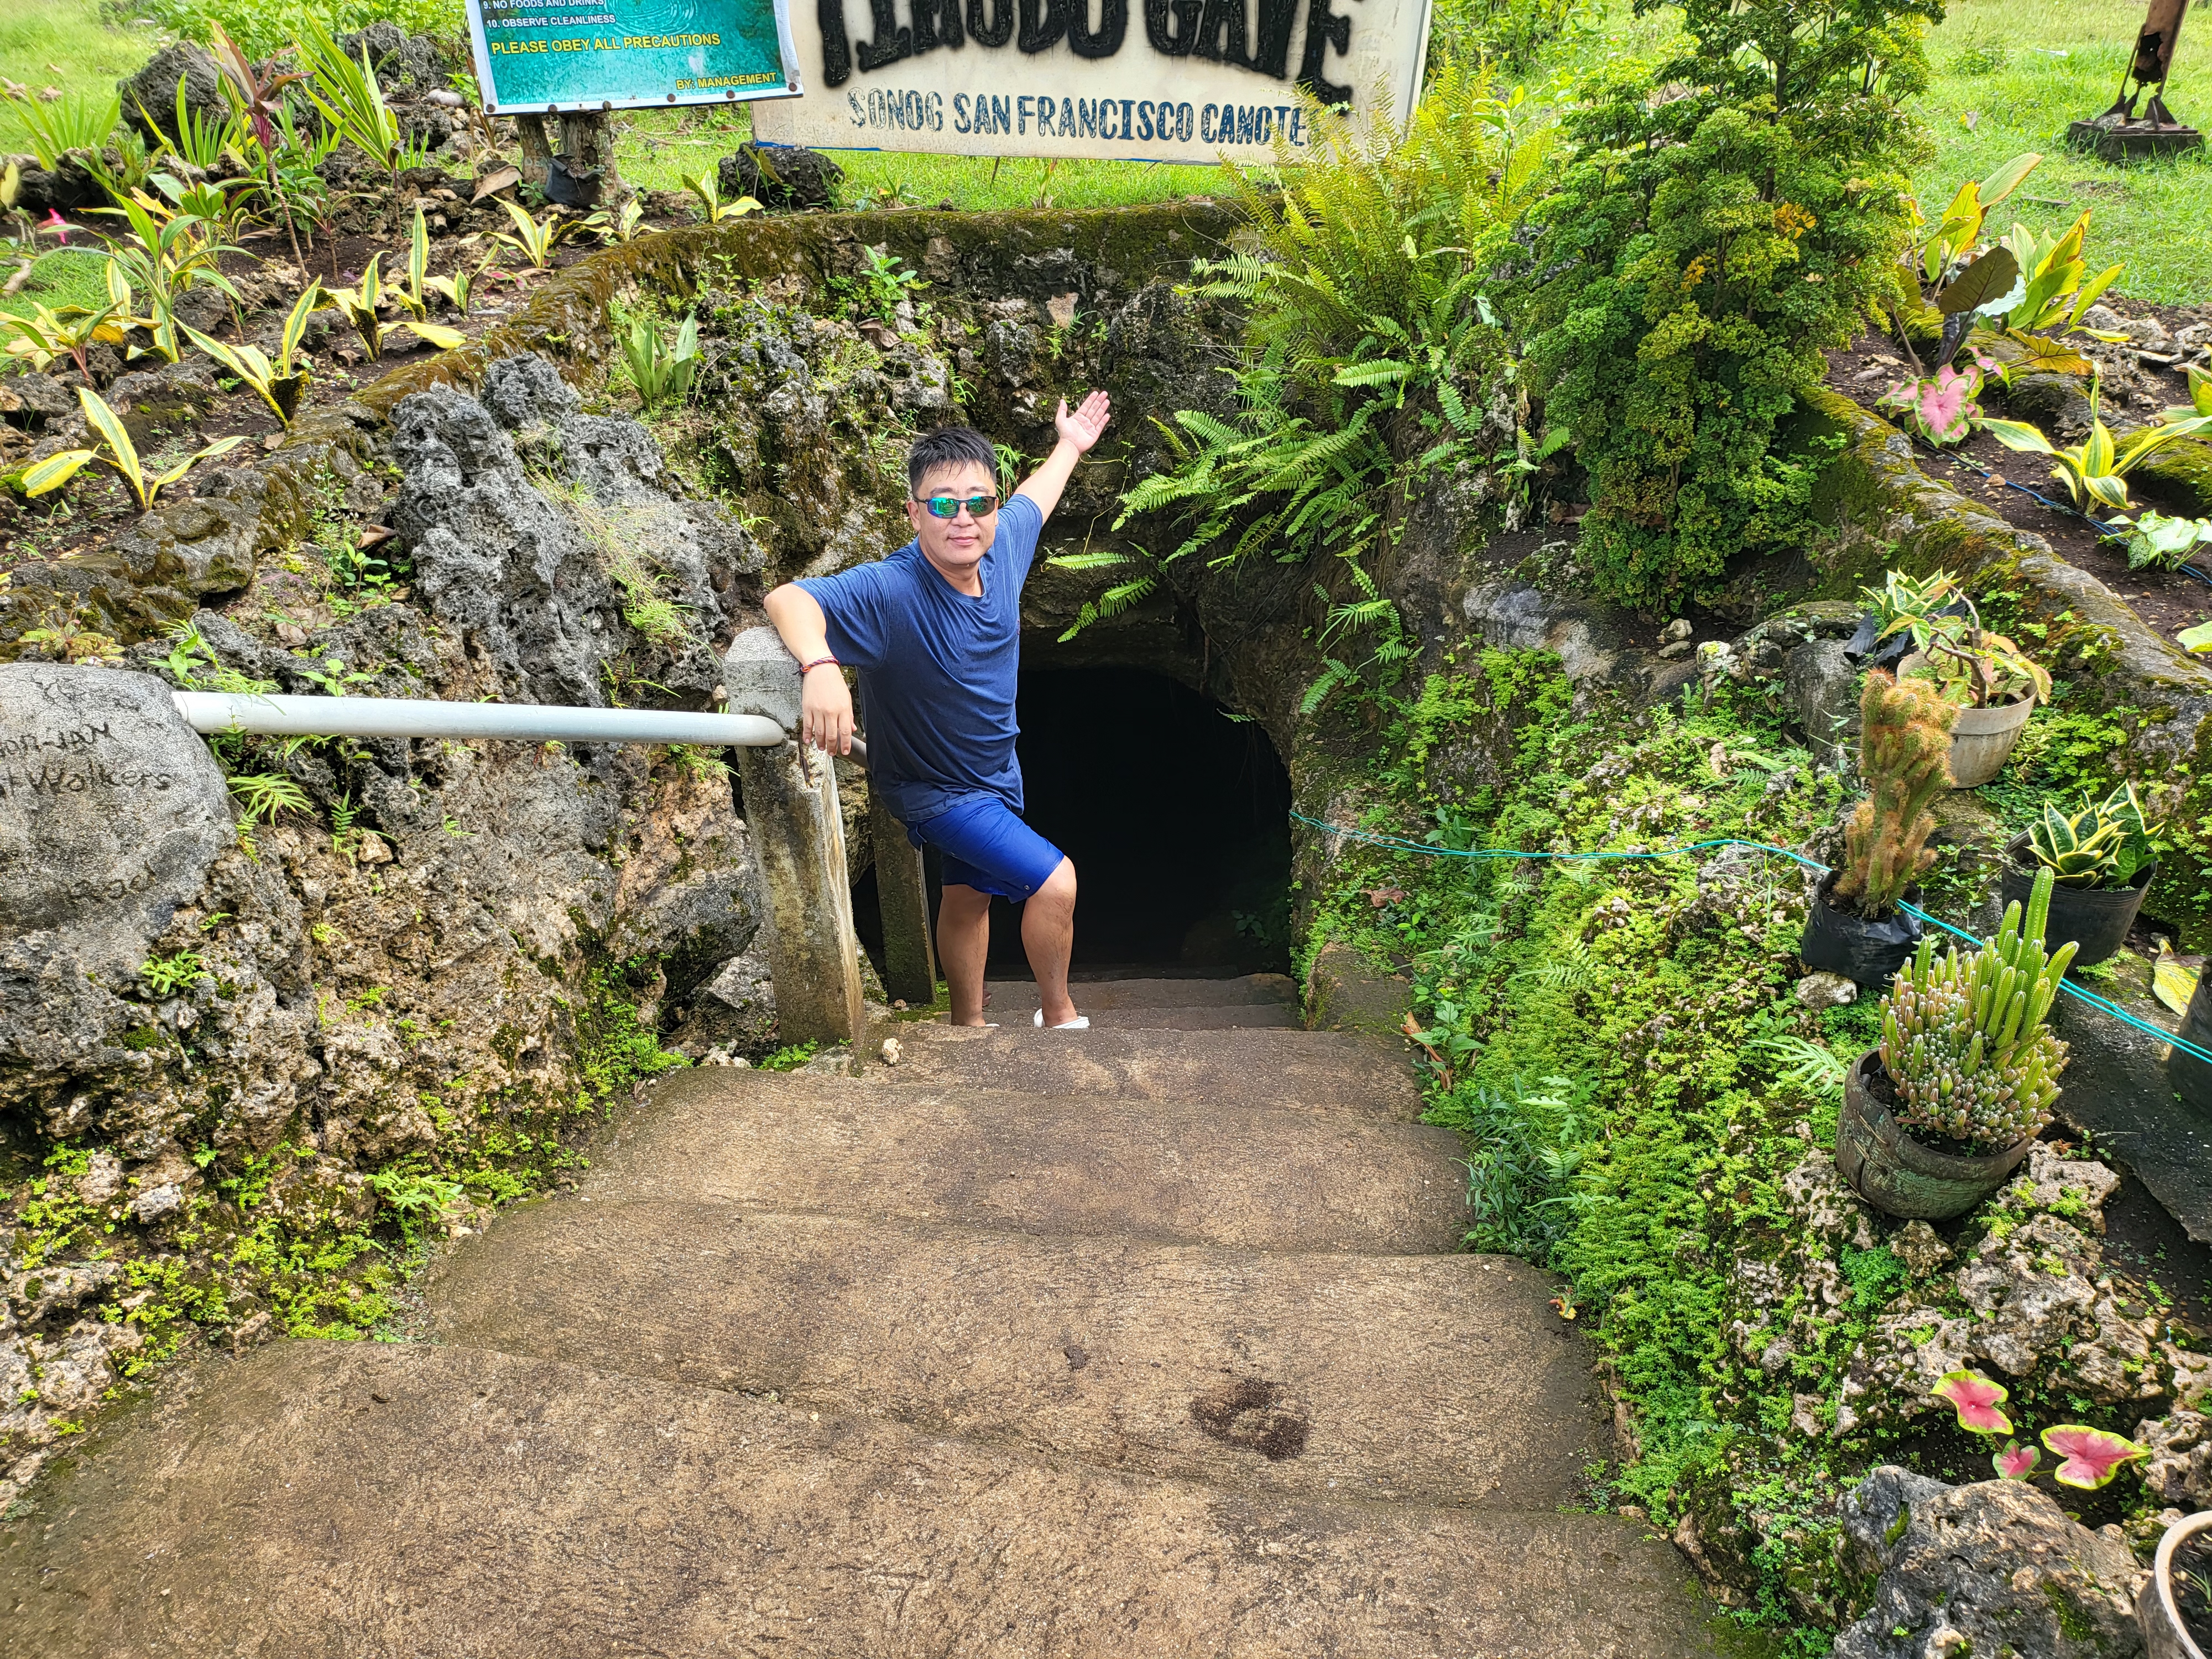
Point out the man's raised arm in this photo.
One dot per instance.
(825, 704)
(1078, 432)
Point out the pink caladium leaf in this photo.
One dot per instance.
(1944, 407)
(1977, 1400)
(2015, 1461)
(2092, 1457)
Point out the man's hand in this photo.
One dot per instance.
(825, 710)
(1078, 432)
(1082, 428)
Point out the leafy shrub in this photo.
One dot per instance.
(1700, 252)
(265, 28)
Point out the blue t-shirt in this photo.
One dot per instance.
(939, 670)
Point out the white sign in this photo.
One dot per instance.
(1184, 81)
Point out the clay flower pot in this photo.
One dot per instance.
(1895, 1173)
(1983, 737)
(2158, 1609)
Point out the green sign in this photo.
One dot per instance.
(545, 55)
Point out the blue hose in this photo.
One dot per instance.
(1396, 844)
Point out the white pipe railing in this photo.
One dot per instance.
(393, 717)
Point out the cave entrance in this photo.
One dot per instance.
(1176, 813)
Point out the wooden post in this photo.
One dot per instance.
(902, 895)
(790, 808)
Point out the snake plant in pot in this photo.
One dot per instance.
(1855, 924)
(1966, 1075)
(2101, 859)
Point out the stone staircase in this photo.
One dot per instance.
(1143, 1341)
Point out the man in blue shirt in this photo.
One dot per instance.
(935, 632)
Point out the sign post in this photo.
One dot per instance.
(575, 57)
(1124, 80)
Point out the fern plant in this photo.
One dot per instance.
(1372, 355)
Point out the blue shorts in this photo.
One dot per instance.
(987, 847)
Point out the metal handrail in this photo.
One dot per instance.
(272, 715)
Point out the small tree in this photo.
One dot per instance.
(1699, 254)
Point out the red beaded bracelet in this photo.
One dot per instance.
(807, 668)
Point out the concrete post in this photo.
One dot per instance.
(903, 894)
(790, 808)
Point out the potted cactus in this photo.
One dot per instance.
(2101, 859)
(1965, 1076)
(1854, 926)
(1995, 683)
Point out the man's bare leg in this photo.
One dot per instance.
(1049, 936)
(963, 945)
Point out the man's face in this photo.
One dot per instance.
(954, 545)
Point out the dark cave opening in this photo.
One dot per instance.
(1176, 813)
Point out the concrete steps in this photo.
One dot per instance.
(1440, 1379)
(1039, 1346)
(1164, 1170)
(1332, 1072)
(1255, 993)
(329, 1500)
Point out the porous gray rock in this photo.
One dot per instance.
(1824, 990)
(150, 97)
(545, 586)
(2178, 1470)
(1989, 1568)
(1823, 686)
(783, 179)
(734, 1012)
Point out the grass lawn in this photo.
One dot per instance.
(65, 44)
(657, 147)
(2010, 73)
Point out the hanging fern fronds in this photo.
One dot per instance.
(1363, 283)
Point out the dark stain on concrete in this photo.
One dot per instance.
(1248, 1412)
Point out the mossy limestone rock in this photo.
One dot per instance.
(1992, 1567)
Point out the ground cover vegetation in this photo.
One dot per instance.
(1646, 1102)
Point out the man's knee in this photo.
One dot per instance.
(961, 900)
(1060, 886)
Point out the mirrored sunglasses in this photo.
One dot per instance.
(948, 507)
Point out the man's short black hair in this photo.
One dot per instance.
(949, 446)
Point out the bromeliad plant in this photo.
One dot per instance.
(2097, 468)
(1904, 755)
(351, 100)
(2104, 845)
(1963, 1038)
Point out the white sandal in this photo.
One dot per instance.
(1080, 1022)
